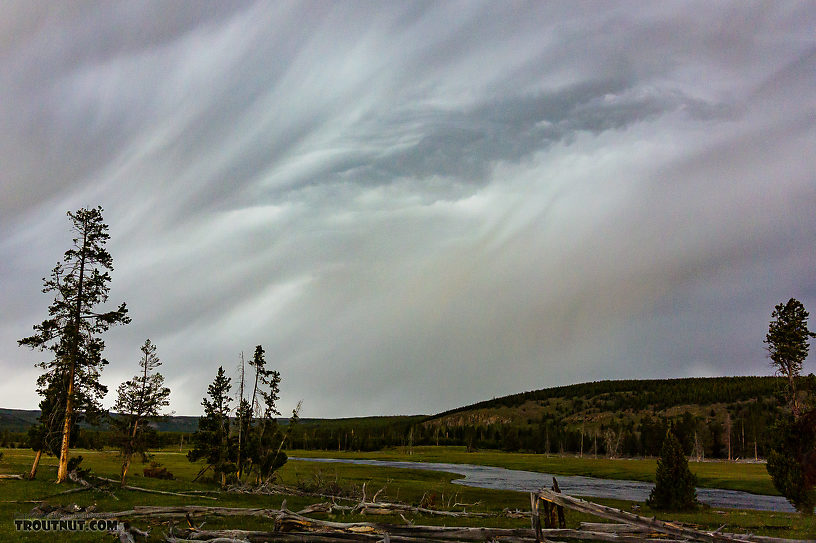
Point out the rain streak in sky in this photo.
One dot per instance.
(413, 205)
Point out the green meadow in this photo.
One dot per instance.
(433, 489)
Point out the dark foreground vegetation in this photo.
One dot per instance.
(431, 490)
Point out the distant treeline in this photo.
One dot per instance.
(92, 438)
(712, 417)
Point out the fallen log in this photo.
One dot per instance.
(150, 511)
(289, 526)
(421, 533)
(632, 529)
(74, 476)
(384, 508)
(394, 533)
(588, 535)
(289, 522)
(11, 476)
(630, 518)
(610, 527)
(151, 491)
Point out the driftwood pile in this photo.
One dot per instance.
(285, 525)
(633, 528)
(296, 526)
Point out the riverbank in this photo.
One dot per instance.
(744, 477)
(491, 477)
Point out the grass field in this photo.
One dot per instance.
(747, 477)
(404, 485)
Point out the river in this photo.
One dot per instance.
(530, 481)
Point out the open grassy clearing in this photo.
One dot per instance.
(404, 485)
(747, 477)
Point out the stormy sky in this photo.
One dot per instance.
(413, 206)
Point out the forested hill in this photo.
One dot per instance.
(655, 394)
(713, 417)
(20, 420)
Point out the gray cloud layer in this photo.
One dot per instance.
(414, 206)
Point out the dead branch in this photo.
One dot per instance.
(377, 494)
(11, 476)
(148, 511)
(270, 489)
(384, 508)
(125, 532)
(39, 500)
(614, 528)
(74, 476)
(202, 472)
(391, 533)
(151, 491)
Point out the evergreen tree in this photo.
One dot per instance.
(674, 483)
(792, 462)
(788, 346)
(139, 400)
(264, 437)
(212, 440)
(792, 457)
(80, 283)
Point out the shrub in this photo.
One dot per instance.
(674, 483)
(156, 471)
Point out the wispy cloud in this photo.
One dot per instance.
(414, 206)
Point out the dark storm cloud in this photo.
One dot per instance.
(414, 206)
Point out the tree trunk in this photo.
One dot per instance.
(581, 454)
(34, 466)
(129, 452)
(62, 472)
(125, 466)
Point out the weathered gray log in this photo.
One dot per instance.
(281, 537)
(395, 534)
(535, 516)
(616, 528)
(610, 527)
(151, 491)
(74, 476)
(11, 476)
(385, 508)
(562, 522)
(630, 518)
(290, 526)
(588, 535)
(148, 511)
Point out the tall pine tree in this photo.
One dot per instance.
(793, 452)
(788, 344)
(71, 333)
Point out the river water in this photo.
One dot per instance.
(530, 481)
